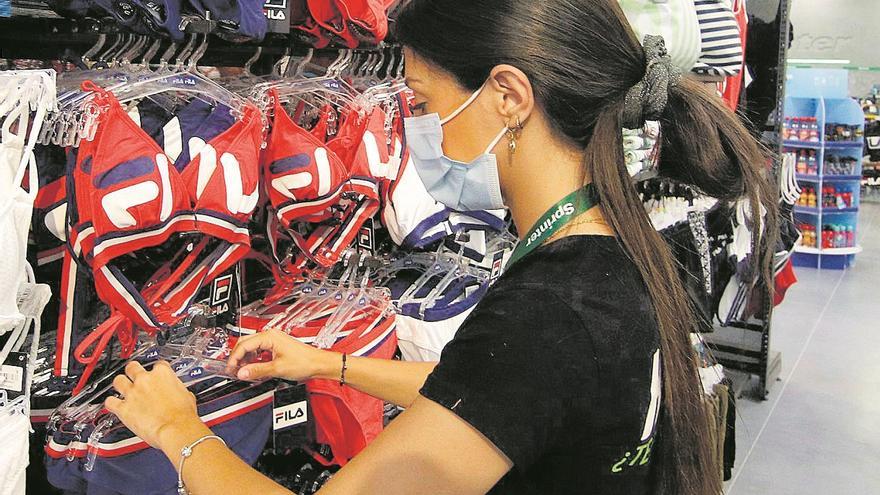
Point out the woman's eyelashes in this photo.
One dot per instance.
(419, 108)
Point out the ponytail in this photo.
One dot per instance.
(705, 146)
(685, 462)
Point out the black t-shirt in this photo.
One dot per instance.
(559, 367)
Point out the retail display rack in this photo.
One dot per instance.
(743, 347)
(824, 129)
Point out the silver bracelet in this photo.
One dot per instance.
(186, 452)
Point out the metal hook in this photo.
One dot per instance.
(151, 52)
(301, 67)
(102, 57)
(331, 69)
(367, 63)
(346, 63)
(181, 57)
(375, 69)
(199, 53)
(167, 54)
(87, 56)
(251, 61)
(282, 63)
(129, 40)
(129, 55)
(391, 64)
(400, 66)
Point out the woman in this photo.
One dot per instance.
(575, 373)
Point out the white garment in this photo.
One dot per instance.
(16, 208)
(711, 376)
(423, 341)
(14, 431)
(409, 207)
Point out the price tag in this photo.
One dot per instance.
(12, 374)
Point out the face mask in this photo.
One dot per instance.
(458, 185)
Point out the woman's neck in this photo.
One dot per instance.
(540, 180)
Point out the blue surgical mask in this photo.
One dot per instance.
(458, 185)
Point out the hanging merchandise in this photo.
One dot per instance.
(175, 215)
(675, 20)
(343, 22)
(733, 84)
(721, 40)
(25, 98)
(641, 151)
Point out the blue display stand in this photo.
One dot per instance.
(822, 94)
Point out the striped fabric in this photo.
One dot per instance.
(722, 51)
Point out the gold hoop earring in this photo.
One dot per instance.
(512, 134)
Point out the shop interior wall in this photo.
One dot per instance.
(840, 30)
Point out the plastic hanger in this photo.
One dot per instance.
(355, 299)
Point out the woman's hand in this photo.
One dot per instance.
(291, 359)
(152, 401)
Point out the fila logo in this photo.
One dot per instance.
(236, 200)
(497, 267)
(221, 291)
(290, 415)
(117, 203)
(365, 238)
(288, 183)
(378, 168)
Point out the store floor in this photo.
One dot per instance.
(819, 430)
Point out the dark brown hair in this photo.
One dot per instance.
(581, 57)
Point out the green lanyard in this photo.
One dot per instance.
(563, 212)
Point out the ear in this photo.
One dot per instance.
(515, 97)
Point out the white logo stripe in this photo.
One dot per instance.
(654, 408)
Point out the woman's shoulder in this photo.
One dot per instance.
(588, 279)
(584, 272)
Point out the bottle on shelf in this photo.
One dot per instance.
(850, 236)
(839, 236)
(828, 196)
(794, 130)
(812, 163)
(813, 134)
(827, 237)
(808, 235)
(804, 130)
(786, 128)
(801, 164)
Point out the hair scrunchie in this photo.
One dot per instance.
(647, 99)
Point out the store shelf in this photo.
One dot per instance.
(802, 144)
(807, 177)
(838, 178)
(844, 145)
(829, 252)
(824, 211)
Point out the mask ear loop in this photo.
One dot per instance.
(463, 106)
(495, 141)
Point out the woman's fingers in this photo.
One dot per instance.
(113, 404)
(252, 343)
(122, 384)
(134, 369)
(257, 371)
